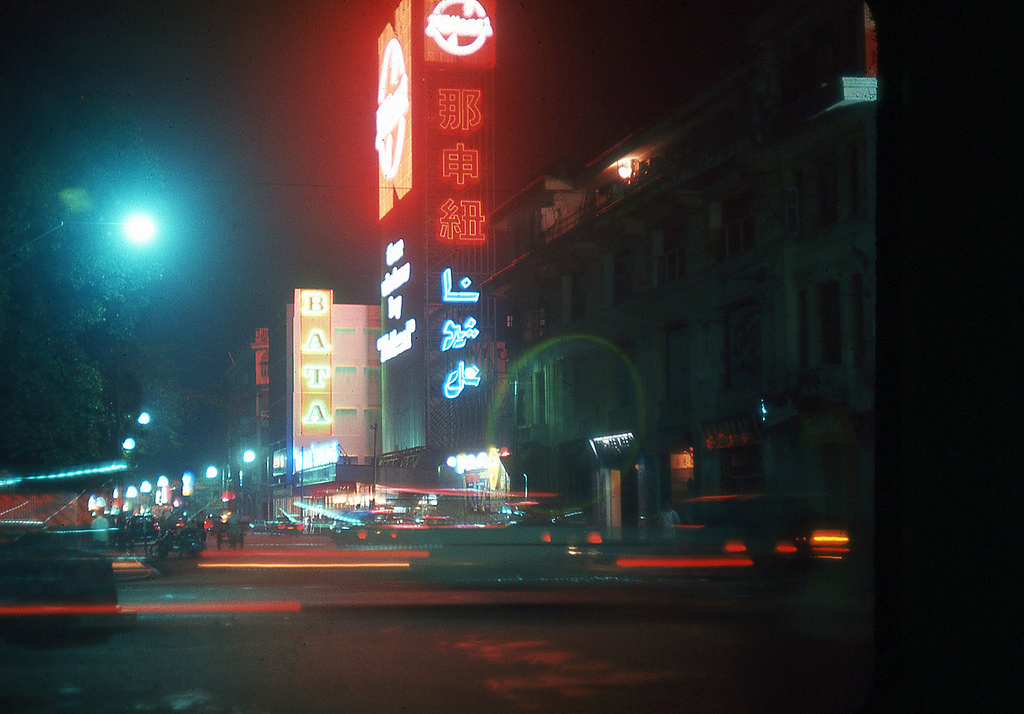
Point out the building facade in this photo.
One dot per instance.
(693, 312)
(334, 406)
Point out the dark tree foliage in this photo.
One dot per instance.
(71, 290)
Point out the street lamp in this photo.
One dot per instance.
(138, 228)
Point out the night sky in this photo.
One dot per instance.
(260, 116)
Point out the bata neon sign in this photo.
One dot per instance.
(395, 342)
(315, 360)
(459, 27)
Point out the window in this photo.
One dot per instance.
(536, 323)
(854, 180)
(803, 338)
(857, 312)
(743, 345)
(828, 192)
(622, 277)
(669, 256)
(373, 384)
(540, 416)
(677, 365)
(738, 224)
(578, 297)
(831, 327)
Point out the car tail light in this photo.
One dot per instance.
(784, 547)
(832, 543)
(735, 546)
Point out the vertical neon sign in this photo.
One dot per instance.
(395, 342)
(458, 34)
(315, 369)
(393, 139)
(459, 51)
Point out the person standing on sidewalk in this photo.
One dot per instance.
(100, 531)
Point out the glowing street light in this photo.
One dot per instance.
(138, 228)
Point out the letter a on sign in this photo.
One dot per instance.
(317, 414)
(316, 342)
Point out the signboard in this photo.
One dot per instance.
(314, 359)
(394, 117)
(726, 433)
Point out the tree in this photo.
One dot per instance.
(70, 294)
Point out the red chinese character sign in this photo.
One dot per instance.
(459, 51)
(461, 222)
(458, 109)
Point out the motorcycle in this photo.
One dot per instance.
(182, 539)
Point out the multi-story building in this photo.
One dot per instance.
(692, 313)
(333, 406)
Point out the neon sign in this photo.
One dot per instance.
(314, 363)
(460, 165)
(458, 109)
(316, 455)
(461, 221)
(393, 138)
(456, 335)
(395, 342)
(469, 23)
(461, 377)
(449, 295)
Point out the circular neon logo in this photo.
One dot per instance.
(392, 107)
(462, 31)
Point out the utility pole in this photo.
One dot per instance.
(373, 486)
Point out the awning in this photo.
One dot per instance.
(827, 427)
(727, 433)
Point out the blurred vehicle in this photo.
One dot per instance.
(285, 526)
(141, 529)
(259, 526)
(773, 531)
(320, 524)
(49, 591)
(184, 537)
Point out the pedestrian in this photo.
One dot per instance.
(235, 532)
(669, 520)
(100, 530)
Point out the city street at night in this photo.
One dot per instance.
(264, 630)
